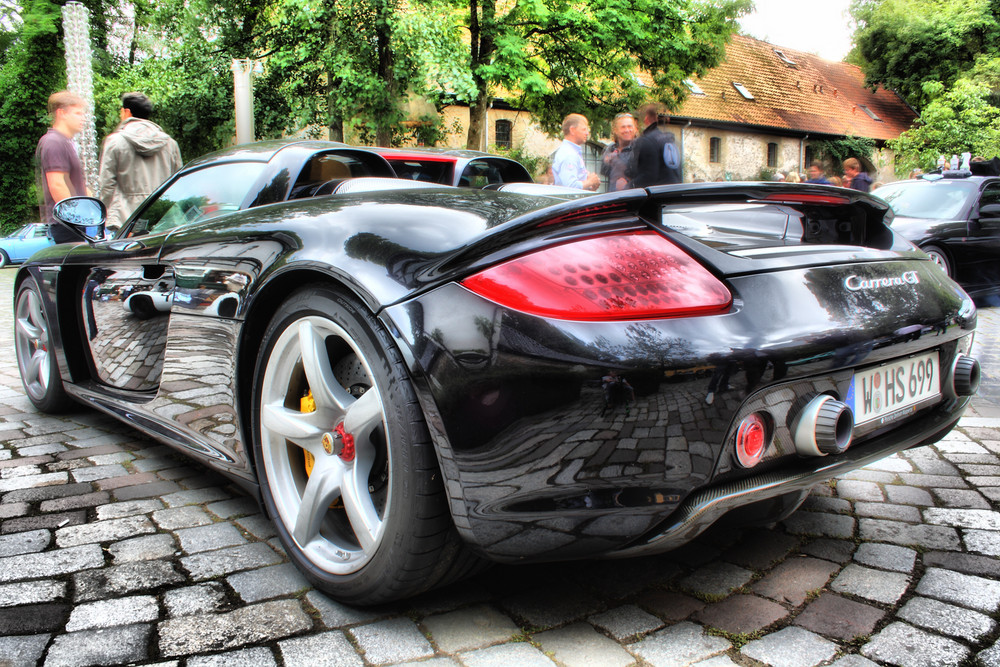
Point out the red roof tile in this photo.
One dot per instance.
(816, 95)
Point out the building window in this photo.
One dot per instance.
(810, 157)
(743, 90)
(693, 87)
(714, 149)
(772, 156)
(785, 59)
(503, 131)
(871, 114)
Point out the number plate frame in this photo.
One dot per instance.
(895, 390)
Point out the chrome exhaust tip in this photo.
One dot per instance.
(965, 376)
(824, 426)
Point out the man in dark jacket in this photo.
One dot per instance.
(854, 178)
(655, 158)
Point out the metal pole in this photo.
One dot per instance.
(243, 97)
(79, 77)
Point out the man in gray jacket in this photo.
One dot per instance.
(137, 157)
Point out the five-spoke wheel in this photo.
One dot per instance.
(35, 353)
(346, 468)
(939, 257)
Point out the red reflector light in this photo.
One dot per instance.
(751, 440)
(639, 275)
(802, 198)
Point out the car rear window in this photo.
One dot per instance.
(933, 200)
(324, 171)
(428, 171)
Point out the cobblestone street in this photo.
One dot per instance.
(114, 549)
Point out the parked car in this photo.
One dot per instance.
(19, 246)
(254, 175)
(462, 168)
(954, 218)
(416, 380)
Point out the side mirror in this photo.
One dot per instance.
(989, 211)
(85, 216)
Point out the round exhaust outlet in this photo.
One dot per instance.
(965, 375)
(825, 426)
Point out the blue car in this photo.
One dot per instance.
(23, 243)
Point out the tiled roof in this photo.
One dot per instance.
(816, 95)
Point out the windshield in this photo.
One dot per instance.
(936, 200)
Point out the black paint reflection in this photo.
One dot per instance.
(126, 317)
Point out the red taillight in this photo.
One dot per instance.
(751, 440)
(805, 198)
(632, 276)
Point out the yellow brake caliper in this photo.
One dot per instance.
(308, 404)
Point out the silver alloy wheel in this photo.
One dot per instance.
(336, 514)
(31, 341)
(938, 256)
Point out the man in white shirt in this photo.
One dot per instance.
(568, 167)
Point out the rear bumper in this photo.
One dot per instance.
(703, 508)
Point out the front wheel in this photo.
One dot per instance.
(36, 359)
(940, 258)
(343, 456)
(4, 259)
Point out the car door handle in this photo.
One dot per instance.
(126, 246)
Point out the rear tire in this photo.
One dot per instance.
(940, 258)
(365, 529)
(36, 359)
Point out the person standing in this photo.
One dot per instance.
(617, 154)
(655, 158)
(816, 174)
(135, 159)
(568, 167)
(854, 178)
(57, 165)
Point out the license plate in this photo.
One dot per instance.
(893, 391)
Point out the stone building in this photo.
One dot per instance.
(763, 109)
(767, 108)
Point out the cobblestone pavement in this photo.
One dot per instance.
(114, 549)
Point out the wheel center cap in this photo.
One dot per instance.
(328, 443)
(340, 442)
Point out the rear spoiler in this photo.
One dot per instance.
(830, 215)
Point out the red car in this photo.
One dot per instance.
(463, 168)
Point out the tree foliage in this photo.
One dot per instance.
(559, 57)
(26, 81)
(838, 150)
(943, 57)
(904, 44)
(964, 117)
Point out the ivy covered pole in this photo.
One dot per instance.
(79, 78)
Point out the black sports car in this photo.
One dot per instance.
(956, 220)
(416, 381)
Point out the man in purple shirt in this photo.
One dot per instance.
(59, 171)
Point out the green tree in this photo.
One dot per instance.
(905, 44)
(838, 150)
(964, 117)
(350, 62)
(177, 62)
(27, 79)
(561, 57)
